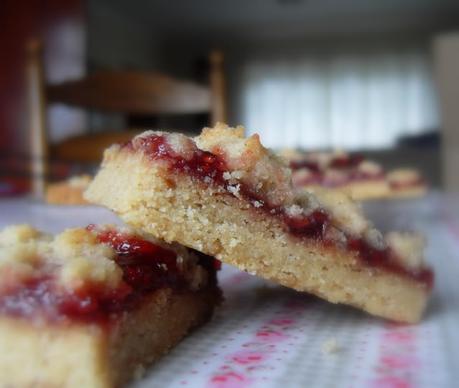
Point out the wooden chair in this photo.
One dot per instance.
(127, 92)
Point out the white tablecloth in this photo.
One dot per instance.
(269, 336)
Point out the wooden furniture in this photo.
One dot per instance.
(127, 92)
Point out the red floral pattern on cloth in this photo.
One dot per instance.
(397, 362)
(280, 340)
(246, 365)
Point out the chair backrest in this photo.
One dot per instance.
(128, 92)
(132, 92)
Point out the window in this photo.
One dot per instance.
(352, 101)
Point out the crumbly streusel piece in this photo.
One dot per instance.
(69, 191)
(89, 307)
(230, 197)
(406, 183)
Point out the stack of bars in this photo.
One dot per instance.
(121, 297)
(354, 175)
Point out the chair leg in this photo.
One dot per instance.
(37, 119)
(217, 86)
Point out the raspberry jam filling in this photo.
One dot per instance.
(361, 175)
(347, 167)
(311, 179)
(210, 168)
(310, 165)
(407, 184)
(146, 267)
(338, 162)
(346, 161)
(346, 177)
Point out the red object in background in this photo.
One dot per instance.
(13, 186)
(60, 25)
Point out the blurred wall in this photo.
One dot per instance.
(446, 49)
(116, 40)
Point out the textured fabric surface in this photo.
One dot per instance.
(268, 336)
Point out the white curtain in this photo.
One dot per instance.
(351, 101)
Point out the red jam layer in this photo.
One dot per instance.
(348, 161)
(146, 267)
(310, 165)
(353, 176)
(313, 178)
(318, 178)
(408, 184)
(338, 162)
(209, 168)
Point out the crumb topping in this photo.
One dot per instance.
(14, 234)
(403, 175)
(335, 177)
(77, 257)
(90, 273)
(249, 162)
(369, 168)
(290, 154)
(330, 346)
(324, 159)
(179, 144)
(409, 248)
(346, 213)
(303, 176)
(246, 169)
(80, 181)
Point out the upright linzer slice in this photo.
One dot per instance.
(229, 197)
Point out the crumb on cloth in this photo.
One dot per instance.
(330, 346)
